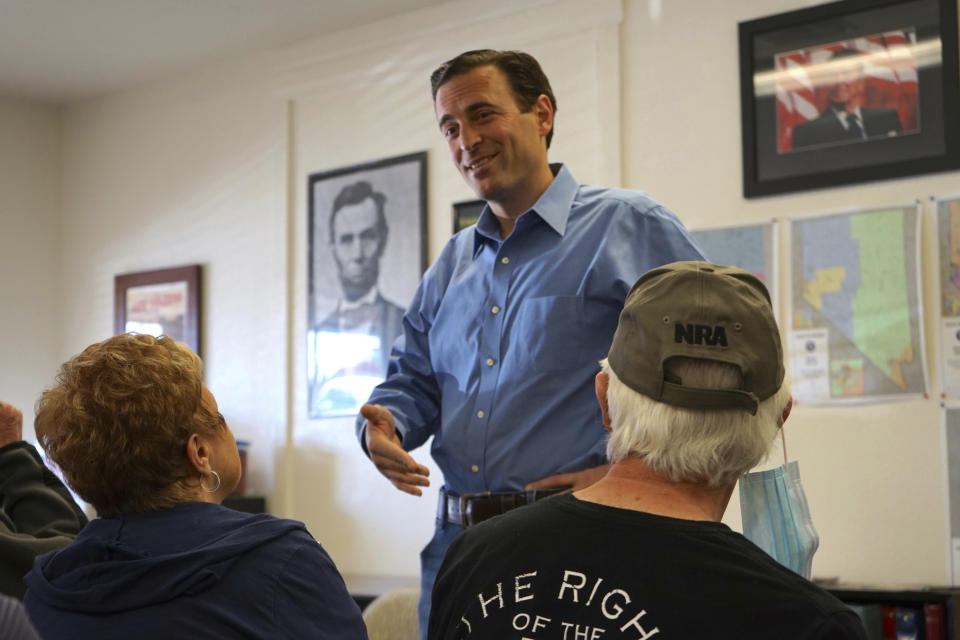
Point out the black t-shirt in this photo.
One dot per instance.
(567, 569)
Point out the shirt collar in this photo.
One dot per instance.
(366, 299)
(553, 207)
(843, 115)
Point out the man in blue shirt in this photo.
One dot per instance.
(502, 340)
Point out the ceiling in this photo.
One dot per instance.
(64, 51)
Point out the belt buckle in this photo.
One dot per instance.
(466, 508)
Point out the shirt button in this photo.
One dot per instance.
(474, 468)
(480, 413)
(489, 362)
(495, 309)
(505, 260)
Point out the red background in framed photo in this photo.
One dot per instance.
(890, 73)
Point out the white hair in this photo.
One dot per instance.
(715, 446)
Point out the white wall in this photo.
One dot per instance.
(30, 316)
(211, 168)
(188, 172)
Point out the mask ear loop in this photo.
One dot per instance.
(783, 439)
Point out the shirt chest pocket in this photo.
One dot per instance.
(549, 334)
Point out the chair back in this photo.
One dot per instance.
(393, 615)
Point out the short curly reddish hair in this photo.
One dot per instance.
(118, 420)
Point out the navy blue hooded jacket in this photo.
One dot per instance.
(197, 570)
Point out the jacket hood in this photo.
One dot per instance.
(130, 561)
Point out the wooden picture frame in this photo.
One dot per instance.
(162, 301)
(891, 63)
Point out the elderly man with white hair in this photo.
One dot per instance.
(693, 393)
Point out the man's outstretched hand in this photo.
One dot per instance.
(387, 454)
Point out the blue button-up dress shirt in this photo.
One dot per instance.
(502, 340)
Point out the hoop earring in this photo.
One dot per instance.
(215, 475)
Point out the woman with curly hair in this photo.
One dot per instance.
(138, 435)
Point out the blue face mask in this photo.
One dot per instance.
(776, 516)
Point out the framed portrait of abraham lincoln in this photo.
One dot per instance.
(367, 250)
(848, 92)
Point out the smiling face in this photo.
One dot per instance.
(499, 150)
(847, 86)
(845, 82)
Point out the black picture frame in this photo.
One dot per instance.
(361, 276)
(781, 58)
(466, 213)
(161, 301)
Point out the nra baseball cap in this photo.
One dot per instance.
(698, 310)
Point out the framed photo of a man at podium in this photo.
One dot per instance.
(366, 254)
(848, 92)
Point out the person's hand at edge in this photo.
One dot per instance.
(573, 481)
(384, 446)
(11, 424)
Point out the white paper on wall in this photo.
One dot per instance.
(955, 565)
(810, 363)
(951, 440)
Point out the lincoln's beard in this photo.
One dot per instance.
(361, 279)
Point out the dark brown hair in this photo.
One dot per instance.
(527, 80)
(355, 194)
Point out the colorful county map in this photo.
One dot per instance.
(856, 325)
(948, 228)
(948, 225)
(749, 247)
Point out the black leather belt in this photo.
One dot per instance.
(473, 508)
